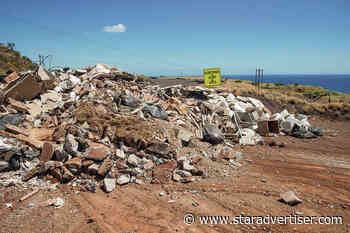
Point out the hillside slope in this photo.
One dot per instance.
(11, 60)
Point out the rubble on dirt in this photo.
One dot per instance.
(297, 125)
(290, 198)
(101, 126)
(57, 202)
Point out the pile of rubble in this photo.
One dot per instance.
(101, 125)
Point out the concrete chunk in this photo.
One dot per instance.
(109, 184)
(290, 198)
(123, 179)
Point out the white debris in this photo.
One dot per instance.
(57, 202)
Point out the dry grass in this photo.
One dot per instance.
(292, 97)
(11, 60)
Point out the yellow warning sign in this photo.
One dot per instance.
(212, 77)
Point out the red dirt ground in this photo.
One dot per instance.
(317, 170)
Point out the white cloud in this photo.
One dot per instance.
(115, 28)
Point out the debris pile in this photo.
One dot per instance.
(103, 126)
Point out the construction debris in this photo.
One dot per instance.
(101, 125)
(57, 202)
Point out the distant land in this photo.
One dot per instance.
(332, 82)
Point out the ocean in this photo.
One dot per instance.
(336, 82)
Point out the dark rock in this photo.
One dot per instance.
(155, 111)
(130, 101)
(303, 134)
(60, 155)
(14, 162)
(83, 145)
(212, 134)
(317, 131)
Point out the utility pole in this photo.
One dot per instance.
(42, 60)
(259, 78)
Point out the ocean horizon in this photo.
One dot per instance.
(331, 82)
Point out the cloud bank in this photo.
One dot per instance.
(115, 28)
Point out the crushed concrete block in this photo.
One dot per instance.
(184, 135)
(109, 184)
(123, 179)
(120, 154)
(133, 160)
(71, 145)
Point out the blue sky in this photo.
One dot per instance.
(174, 37)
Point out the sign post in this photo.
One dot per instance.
(212, 77)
